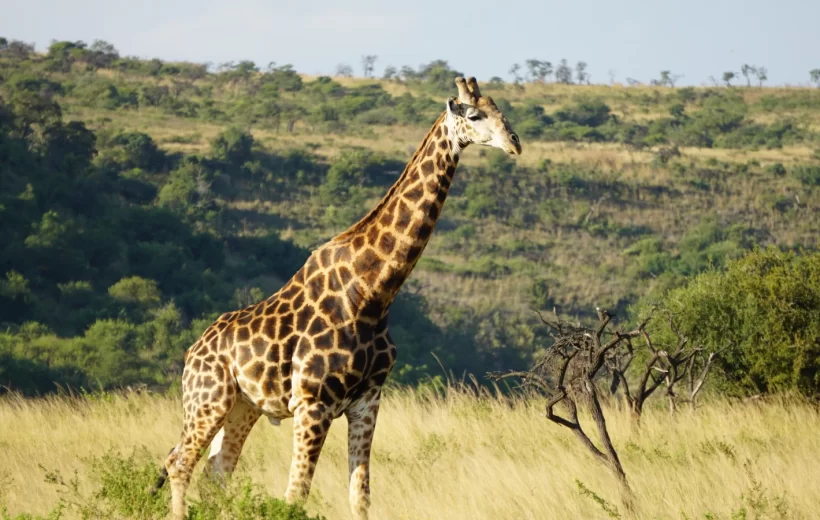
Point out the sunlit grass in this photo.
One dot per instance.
(461, 457)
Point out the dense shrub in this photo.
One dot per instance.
(766, 308)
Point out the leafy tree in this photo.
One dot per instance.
(514, 72)
(232, 146)
(368, 64)
(581, 73)
(814, 74)
(136, 291)
(344, 70)
(748, 71)
(563, 74)
(669, 79)
(438, 75)
(585, 113)
(728, 76)
(390, 72)
(762, 75)
(61, 55)
(766, 307)
(539, 70)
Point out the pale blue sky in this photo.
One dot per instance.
(634, 38)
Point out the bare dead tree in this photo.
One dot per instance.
(567, 374)
(580, 358)
(660, 366)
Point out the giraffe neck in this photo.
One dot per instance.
(391, 238)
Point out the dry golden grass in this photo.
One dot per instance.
(463, 458)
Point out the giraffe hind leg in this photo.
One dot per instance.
(227, 444)
(311, 423)
(204, 416)
(361, 419)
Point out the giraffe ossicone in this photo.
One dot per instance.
(320, 346)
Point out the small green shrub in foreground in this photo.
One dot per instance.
(123, 490)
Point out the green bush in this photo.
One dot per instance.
(808, 174)
(232, 146)
(122, 488)
(766, 308)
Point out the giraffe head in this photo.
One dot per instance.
(476, 119)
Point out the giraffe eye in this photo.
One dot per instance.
(474, 117)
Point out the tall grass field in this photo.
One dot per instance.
(436, 456)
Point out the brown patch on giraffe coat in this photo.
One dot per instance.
(303, 317)
(359, 360)
(245, 354)
(422, 230)
(372, 235)
(299, 301)
(386, 243)
(259, 346)
(433, 212)
(386, 220)
(255, 371)
(394, 281)
(324, 257)
(337, 362)
(334, 284)
(256, 326)
(317, 326)
(403, 217)
(303, 348)
(415, 194)
(315, 367)
(335, 385)
(273, 354)
(315, 286)
(345, 275)
(324, 341)
(334, 309)
(345, 337)
(427, 167)
(285, 326)
(368, 266)
(289, 291)
(269, 327)
(413, 253)
(372, 310)
(355, 296)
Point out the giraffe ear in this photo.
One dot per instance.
(453, 107)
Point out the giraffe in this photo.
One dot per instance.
(320, 348)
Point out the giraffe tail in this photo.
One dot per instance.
(162, 477)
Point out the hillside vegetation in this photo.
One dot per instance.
(139, 199)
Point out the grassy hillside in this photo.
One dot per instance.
(234, 174)
(457, 458)
(576, 210)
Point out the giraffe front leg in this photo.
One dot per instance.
(311, 423)
(361, 420)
